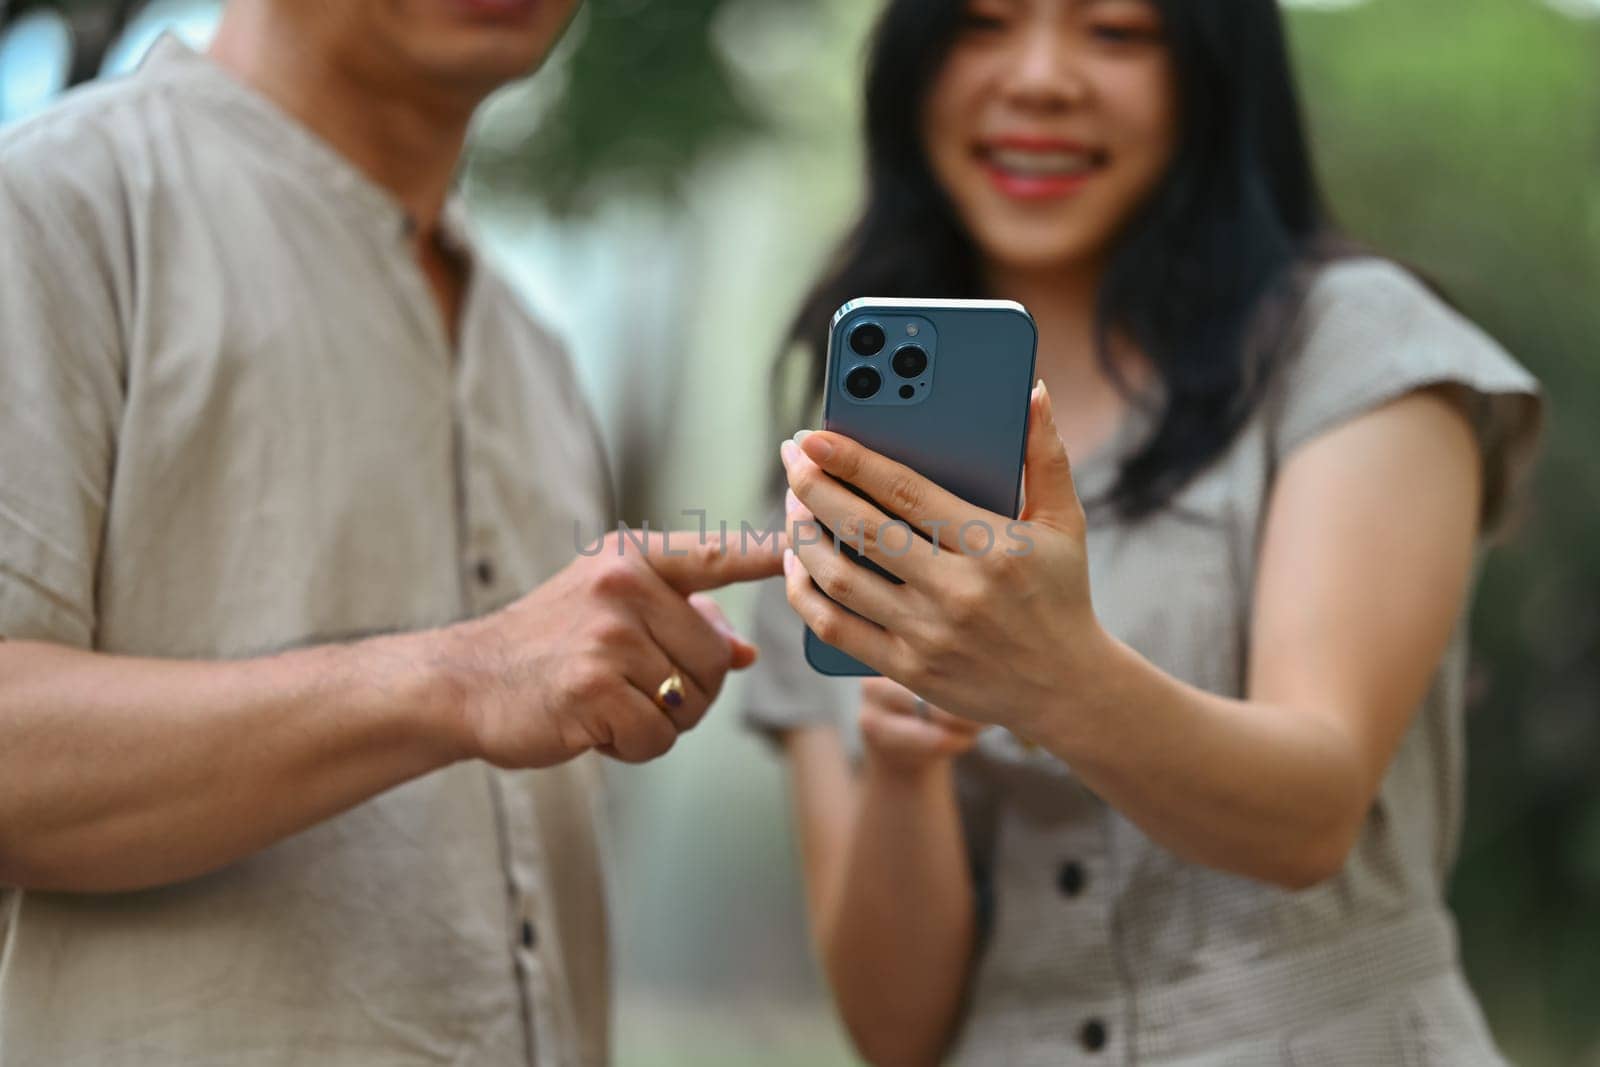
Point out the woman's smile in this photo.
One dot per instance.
(1033, 167)
(1045, 137)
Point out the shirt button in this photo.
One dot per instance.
(528, 937)
(484, 569)
(1093, 1035)
(1071, 878)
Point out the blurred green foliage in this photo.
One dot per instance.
(647, 92)
(1463, 137)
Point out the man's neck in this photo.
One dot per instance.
(406, 138)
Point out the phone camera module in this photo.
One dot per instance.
(867, 340)
(910, 361)
(863, 383)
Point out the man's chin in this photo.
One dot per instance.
(505, 14)
(484, 69)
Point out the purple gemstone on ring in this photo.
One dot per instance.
(673, 698)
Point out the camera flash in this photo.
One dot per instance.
(912, 329)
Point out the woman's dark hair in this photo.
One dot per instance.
(1204, 279)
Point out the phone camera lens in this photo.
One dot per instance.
(910, 361)
(863, 383)
(868, 339)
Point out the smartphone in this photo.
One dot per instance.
(942, 386)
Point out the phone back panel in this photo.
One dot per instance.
(966, 427)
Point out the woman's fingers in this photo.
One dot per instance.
(842, 517)
(846, 581)
(888, 694)
(849, 633)
(894, 698)
(896, 720)
(927, 507)
(904, 526)
(1051, 496)
(908, 736)
(954, 723)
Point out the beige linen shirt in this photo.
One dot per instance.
(1103, 947)
(231, 422)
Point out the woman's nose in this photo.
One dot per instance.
(1045, 73)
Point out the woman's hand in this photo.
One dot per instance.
(1336, 675)
(993, 620)
(905, 735)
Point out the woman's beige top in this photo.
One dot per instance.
(1100, 945)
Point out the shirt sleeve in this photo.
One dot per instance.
(1373, 333)
(60, 388)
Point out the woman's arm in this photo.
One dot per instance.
(822, 792)
(1364, 567)
(887, 881)
(1365, 564)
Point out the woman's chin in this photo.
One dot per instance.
(1036, 254)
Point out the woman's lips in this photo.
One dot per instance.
(1030, 187)
(1034, 169)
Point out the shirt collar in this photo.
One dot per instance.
(256, 118)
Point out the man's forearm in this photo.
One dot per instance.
(120, 773)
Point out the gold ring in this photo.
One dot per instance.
(669, 694)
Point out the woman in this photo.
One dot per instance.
(1219, 822)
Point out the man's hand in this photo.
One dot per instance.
(575, 664)
(120, 773)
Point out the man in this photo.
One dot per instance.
(257, 393)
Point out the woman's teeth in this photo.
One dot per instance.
(1030, 164)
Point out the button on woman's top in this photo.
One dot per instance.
(1101, 946)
